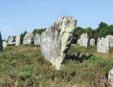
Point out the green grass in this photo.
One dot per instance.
(24, 66)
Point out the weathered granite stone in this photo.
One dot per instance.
(56, 40)
(10, 40)
(37, 39)
(92, 42)
(103, 45)
(110, 39)
(1, 46)
(28, 38)
(110, 77)
(17, 40)
(83, 41)
(4, 44)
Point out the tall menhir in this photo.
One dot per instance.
(56, 40)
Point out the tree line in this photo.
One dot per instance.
(39, 31)
(102, 30)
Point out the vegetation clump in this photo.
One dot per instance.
(24, 66)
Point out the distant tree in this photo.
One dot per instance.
(22, 37)
(95, 34)
(89, 31)
(106, 31)
(39, 31)
(76, 34)
(102, 31)
(101, 26)
(78, 31)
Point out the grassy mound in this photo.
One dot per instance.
(24, 66)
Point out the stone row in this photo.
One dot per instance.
(28, 39)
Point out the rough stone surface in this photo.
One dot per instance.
(4, 44)
(56, 40)
(103, 45)
(92, 42)
(110, 39)
(28, 38)
(17, 40)
(110, 77)
(83, 41)
(37, 39)
(10, 40)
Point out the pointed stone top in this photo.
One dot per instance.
(65, 20)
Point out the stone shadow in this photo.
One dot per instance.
(80, 58)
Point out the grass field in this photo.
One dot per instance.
(24, 66)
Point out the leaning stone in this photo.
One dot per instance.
(110, 39)
(92, 42)
(103, 45)
(17, 40)
(110, 77)
(56, 40)
(10, 40)
(37, 39)
(28, 38)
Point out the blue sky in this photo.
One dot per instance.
(16, 16)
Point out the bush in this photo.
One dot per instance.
(22, 37)
(106, 31)
(39, 31)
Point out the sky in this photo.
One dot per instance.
(16, 16)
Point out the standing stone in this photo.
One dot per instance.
(103, 45)
(1, 46)
(110, 77)
(83, 41)
(10, 40)
(110, 39)
(17, 40)
(92, 42)
(4, 44)
(56, 40)
(78, 41)
(37, 39)
(28, 38)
